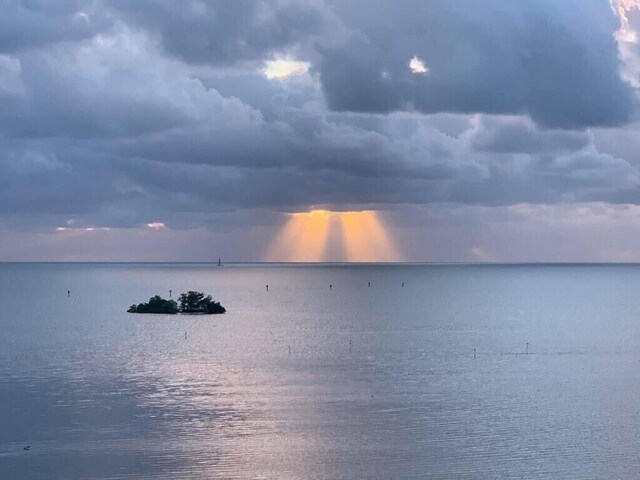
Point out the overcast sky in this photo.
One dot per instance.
(493, 130)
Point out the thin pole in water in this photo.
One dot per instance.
(170, 293)
(526, 352)
(330, 287)
(68, 293)
(369, 284)
(267, 288)
(289, 349)
(474, 353)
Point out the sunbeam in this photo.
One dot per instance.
(365, 238)
(359, 237)
(303, 238)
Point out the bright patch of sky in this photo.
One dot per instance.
(417, 65)
(627, 38)
(283, 67)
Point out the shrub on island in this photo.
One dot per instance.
(190, 302)
(156, 304)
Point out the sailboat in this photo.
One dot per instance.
(219, 263)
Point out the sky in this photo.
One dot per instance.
(320, 130)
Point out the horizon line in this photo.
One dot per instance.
(215, 263)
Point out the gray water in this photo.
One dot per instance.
(380, 382)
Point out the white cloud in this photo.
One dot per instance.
(417, 65)
(627, 38)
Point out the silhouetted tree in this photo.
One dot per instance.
(156, 304)
(196, 302)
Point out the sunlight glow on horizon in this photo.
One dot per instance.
(304, 238)
(80, 230)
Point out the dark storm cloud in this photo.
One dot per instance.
(223, 32)
(51, 178)
(122, 113)
(556, 61)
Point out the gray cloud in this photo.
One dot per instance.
(26, 24)
(517, 135)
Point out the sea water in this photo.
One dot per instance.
(465, 372)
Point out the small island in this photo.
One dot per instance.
(191, 302)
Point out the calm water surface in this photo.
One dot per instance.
(381, 382)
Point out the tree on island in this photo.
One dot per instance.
(196, 302)
(190, 302)
(156, 304)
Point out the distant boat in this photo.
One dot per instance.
(219, 262)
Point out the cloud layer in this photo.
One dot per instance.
(118, 114)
